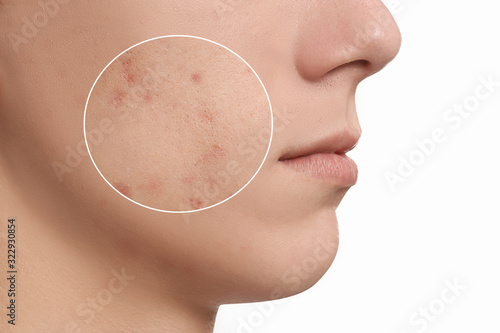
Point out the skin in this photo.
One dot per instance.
(183, 115)
(275, 238)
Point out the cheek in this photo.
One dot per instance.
(176, 138)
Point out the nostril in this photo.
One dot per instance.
(356, 65)
(356, 70)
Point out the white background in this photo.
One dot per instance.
(400, 246)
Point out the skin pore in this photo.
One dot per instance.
(187, 123)
(91, 260)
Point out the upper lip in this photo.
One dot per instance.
(339, 142)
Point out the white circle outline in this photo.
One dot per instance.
(176, 211)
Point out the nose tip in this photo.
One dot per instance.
(361, 33)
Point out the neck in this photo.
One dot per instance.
(73, 281)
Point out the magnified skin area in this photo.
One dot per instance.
(188, 123)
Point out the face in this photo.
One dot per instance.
(278, 235)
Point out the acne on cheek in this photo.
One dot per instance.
(134, 90)
(153, 185)
(206, 116)
(202, 181)
(196, 203)
(131, 88)
(205, 183)
(196, 78)
(128, 72)
(213, 154)
(208, 189)
(123, 188)
(118, 97)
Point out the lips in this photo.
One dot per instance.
(325, 158)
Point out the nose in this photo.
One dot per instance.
(361, 33)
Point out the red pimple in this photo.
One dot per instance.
(127, 71)
(118, 96)
(205, 116)
(195, 203)
(127, 63)
(123, 189)
(196, 78)
(148, 97)
(213, 154)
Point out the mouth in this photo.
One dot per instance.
(325, 159)
(326, 166)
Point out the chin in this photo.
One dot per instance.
(290, 264)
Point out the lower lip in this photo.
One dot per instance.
(337, 168)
